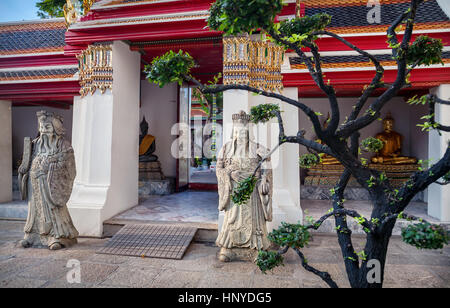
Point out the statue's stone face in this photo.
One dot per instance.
(241, 133)
(46, 127)
(388, 125)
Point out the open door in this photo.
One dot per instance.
(183, 160)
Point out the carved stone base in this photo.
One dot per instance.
(41, 241)
(237, 254)
(308, 192)
(156, 187)
(150, 171)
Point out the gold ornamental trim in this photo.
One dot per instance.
(95, 69)
(252, 62)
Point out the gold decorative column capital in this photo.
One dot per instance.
(252, 61)
(95, 68)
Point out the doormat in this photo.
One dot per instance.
(151, 241)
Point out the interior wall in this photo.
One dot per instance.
(415, 142)
(159, 106)
(24, 124)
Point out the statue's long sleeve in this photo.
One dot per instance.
(223, 181)
(265, 187)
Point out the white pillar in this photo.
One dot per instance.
(438, 195)
(105, 139)
(5, 152)
(286, 170)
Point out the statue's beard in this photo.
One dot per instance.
(47, 143)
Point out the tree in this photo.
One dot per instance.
(52, 8)
(340, 140)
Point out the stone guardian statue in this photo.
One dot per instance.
(46, 178)
(244, 230)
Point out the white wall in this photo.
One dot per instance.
(5, 152)
(415, 142)
(159, 106)
(24, 124)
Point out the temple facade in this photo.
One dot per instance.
(89, 68)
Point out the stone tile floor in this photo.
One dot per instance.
(406, 266)
(187, 206)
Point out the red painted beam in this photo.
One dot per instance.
(370, 42)
(38, 61)
(44, 90)
(441, 75)
(146, 9)
(59, 105)
(134, 33)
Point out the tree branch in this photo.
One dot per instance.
(222, 88)
(421, 180)
(324, 275)
(399, 53)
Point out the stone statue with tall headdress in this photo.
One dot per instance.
(46, 177)
(244, 230)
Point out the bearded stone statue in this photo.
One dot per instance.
(46, 178)
(244, 230)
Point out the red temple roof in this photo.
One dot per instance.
(38, 57)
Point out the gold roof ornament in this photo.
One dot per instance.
(70, 12)
(298, 9)
(87, 6)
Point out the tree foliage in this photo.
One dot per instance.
(170, 67)
(244, 190)
(424, 235)
(243, 16)
(425, 51)
(52, 8)
(263, 113)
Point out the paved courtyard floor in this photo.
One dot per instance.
(187, 206)
(406, 266)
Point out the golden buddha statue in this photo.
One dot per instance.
(391, 153)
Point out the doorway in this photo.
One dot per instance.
(200, 130)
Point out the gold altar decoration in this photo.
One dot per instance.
(389, 159)
(95, 69)
(253, 62)
(328, 175)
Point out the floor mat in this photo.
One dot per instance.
(150, 240)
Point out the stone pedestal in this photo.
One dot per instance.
(150, 171)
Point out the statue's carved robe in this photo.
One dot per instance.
(49, 185)
(244, 225)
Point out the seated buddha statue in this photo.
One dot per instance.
(147, 144)
(391, 153)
